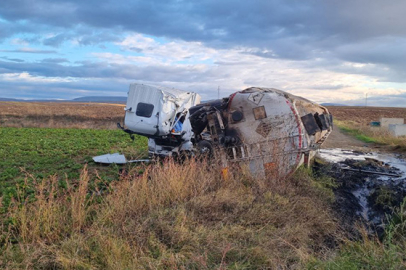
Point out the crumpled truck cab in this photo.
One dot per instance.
(156, 112)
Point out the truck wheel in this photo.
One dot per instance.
(205, 149)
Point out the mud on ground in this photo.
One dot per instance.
(371, 181)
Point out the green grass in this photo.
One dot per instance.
(358, 134)
(41, 152)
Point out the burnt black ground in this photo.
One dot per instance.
(382, 194)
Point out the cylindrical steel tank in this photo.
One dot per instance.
(277, 131)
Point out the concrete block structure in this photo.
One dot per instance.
(397, 130)
(385, 122)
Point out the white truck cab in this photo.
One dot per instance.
(162, 115)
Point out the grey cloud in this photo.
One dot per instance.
(243, 22)
(101, 75)
(5, 30)
(8, 29)
(371, 32)
(382, 50)
(29, 51)
(83, 35)
(96, 38)
(99, 87)
(231, 63)
(321, 87)
(383, 73)
(135, 49)
(87, 69)
(57, 40)
(290, 29)
(54, 13)
(13, 59)
(28, 30)
(63, 90)
(55, 60)
(379, 101)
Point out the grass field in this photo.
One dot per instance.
(40, 153)
(59, 210)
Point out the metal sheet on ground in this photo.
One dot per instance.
(110, 158)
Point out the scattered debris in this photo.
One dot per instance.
(116, 158)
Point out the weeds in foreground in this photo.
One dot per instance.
(171, 216)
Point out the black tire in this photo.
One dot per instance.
(205, 149)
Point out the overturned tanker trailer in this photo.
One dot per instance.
(268, 130)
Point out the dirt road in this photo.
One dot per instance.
(338, 139)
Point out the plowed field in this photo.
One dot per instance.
(60, 115)
(364, 115)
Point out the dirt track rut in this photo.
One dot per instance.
(338, 139)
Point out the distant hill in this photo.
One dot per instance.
(100, 99)
(95, 99)
(8, 99)
(332, 104)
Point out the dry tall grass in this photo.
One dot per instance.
(171, 216)
(372, 134)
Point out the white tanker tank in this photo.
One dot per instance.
(271, 131)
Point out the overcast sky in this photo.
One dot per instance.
(327, 51)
